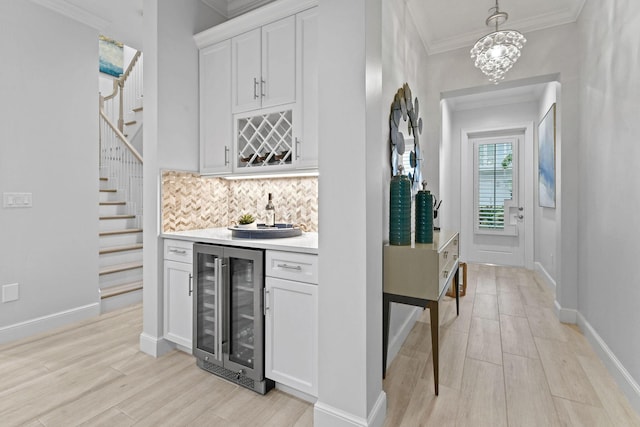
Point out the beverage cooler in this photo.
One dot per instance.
(228, 324)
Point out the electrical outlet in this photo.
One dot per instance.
(10, 292)
(17, 200)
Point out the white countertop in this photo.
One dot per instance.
(306, 243)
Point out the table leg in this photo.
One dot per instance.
(435, 326)
(456, 287)
(385, 332)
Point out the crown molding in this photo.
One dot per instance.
(466, 40)
(220, 6)
(239, 7)
(268, 13)
(74, 12)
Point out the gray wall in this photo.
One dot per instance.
(49, 147)
(609, 225)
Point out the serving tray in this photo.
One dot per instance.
(264, 232)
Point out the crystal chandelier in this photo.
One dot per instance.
(496, 52)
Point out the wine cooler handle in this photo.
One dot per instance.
(219, 308)
(190, 284)
(265, 299)
(225, 304)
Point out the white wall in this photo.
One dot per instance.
(171, 129)
(350, 298)
(546, 237)
(609, 241)
(49, 148)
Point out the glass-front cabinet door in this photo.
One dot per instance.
(208, 300)
(245, 326)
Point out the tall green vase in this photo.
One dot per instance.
(424, 216)
(400, 211)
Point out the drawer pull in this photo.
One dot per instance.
(290, 267)
(178, 251)
(445, 273)
(445, 254)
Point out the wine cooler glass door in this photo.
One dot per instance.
(245, 270)
(208, 328)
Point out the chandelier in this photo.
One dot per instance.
(496, 52)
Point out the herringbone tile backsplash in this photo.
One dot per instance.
(191, 202)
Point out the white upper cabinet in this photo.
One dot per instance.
(306, 129)
(264, 66)
(246, 71)
(279, 62)
(259, 91)
(216, 121)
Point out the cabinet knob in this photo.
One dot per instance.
(445, 273)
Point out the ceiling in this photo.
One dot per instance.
(443, 24)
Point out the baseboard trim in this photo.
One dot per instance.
(153, 346)
(539, 268)
(396, 341)
(328, 416)
(565, 315)
(622, 377)
(296, 393)
(48, 322)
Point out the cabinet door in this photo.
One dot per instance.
(245, 71)
(291, 334)
(306, 130)
(216, 122)
(178, 313)
(279, 62)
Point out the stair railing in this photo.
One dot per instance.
(121, 162)
(126, 99)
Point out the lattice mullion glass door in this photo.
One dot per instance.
(495, 185)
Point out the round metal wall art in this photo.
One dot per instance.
(405, 109)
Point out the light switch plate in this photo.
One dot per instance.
(17, 200)
(10, 292)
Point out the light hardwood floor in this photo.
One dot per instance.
(505, 361)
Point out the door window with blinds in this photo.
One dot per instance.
(495, 184)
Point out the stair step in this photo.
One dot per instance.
(125, 231)
(116, 203)
(118, 268)
(102, 178)
(113, 291)
(125, 248)
(137, 109)
(108, 190)
(132, 122)
(118, 217)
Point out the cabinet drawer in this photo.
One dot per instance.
(178, 250)
(292, 266)
(447, 259)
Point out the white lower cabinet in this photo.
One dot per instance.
(291, 334)
(178, 291)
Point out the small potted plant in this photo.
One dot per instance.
(247, 221)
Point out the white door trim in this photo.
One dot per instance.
(527, 173)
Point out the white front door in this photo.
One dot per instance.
(493, 199)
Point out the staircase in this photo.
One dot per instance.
(120, 265)
(120, 212)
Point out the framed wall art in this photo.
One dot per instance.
(111, 54)
(547, 159)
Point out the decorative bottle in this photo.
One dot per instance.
(400, 210)
(424, 215)
(270, 214)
